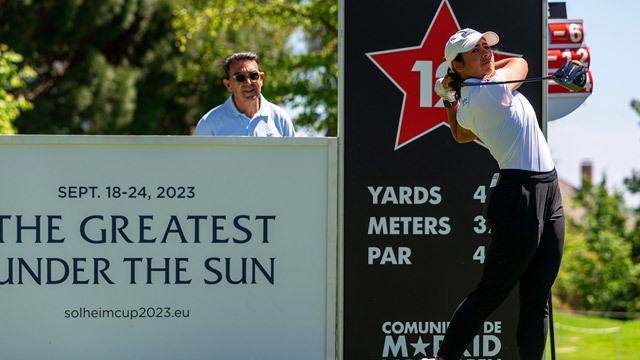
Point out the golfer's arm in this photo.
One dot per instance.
(513, 69)
(459, 133)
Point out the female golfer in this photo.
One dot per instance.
(524, 210)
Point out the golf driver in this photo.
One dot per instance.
(572, 75)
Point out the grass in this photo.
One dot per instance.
(571, 344)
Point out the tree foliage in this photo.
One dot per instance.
(633, 185)
(635, 104)
(598, 270)
(306, 81)
(12, 80)
(152, 66)
(90, 56)
(633, 182)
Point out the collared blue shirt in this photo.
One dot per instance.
(226, 120)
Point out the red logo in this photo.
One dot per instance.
(414, 71)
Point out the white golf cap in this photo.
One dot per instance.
(464, 40)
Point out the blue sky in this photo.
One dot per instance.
(604, 129)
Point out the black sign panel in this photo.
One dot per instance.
(414, 235)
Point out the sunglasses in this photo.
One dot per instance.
(240, 77)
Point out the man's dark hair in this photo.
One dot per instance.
(240, 56)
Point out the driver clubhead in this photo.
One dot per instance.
(572, 75)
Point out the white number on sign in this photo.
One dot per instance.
(584, 56)
(480, 194)
(482, 225)
(479, 254)
(582, 52)
(589, 84)
(575, 33)
(425, 68)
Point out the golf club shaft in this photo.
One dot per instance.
(506, 82)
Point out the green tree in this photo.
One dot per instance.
(598, 272)
(633, 185)
(89, 56)
(207, 31)
(633, 181)
(152, 66)
(307, 82)
(12, 80)
(315, 76)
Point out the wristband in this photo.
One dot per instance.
(450, 104)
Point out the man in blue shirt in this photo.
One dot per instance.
(246, 112)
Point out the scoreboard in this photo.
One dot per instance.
(566, 43)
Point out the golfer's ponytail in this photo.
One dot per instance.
(455, 84)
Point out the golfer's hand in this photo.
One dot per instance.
(443, 89)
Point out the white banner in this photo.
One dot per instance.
(167, 248)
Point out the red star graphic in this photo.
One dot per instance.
(414, 71)
(409, 68)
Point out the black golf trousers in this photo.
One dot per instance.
(526, 218)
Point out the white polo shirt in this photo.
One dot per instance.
(506, 123)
